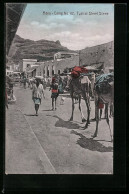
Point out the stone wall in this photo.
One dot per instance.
(103, 53)
(70, 62)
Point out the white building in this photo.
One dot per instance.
(9, 72)
(62, 55)
(28, 63)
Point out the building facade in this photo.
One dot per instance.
(99, 57)
(62, 55)
(49, 68)
(27, 64)
(100, 54)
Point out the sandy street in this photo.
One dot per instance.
(49, 143)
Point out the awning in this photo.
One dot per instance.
(30, 71)
(14, 12)
(94, 66)
(91, 68)
(39, 77)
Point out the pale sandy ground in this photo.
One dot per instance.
(50, 144)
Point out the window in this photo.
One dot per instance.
(28, 65)
(58, 71)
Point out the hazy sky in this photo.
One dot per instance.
(73, 31)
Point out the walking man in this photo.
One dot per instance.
(37, 93)
(54, 95)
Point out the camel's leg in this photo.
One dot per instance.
(97, 119)
(82, 116)
(94, 119)
(106, 110)
(89, 109)
(107, 119)
(71, 118)
(100, 113)
(111, 110)
(88, 113)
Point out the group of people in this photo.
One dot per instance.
(56, 87)
(38, 93)
(9, 96)
(29, 82)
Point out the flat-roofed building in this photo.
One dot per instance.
(28, 63)
(62, 55)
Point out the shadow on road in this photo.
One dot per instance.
(65, 95)
(94, 120)
(91, 144)
(30, 115)
(48, 110)
(65, 124)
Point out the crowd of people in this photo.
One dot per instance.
(38, 86)
(56, 85)
(56, 88)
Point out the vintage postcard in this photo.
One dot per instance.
(59, 88)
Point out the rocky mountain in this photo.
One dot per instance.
(44, 50)
(41, 50)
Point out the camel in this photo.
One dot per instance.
(79, 87)
(106, 99)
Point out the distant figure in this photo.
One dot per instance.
(31, 84)
(37, 93)
(44, 84)
(28, 81)
(54, 95)
(100, 106)
(24, 82)
(60, 86)
(48, 82)
(11, 82)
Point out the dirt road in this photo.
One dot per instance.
(49, 143)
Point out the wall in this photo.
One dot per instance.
(100, 53)
(92, 55)
(70, 62)
(26, 62)
(55, 66)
